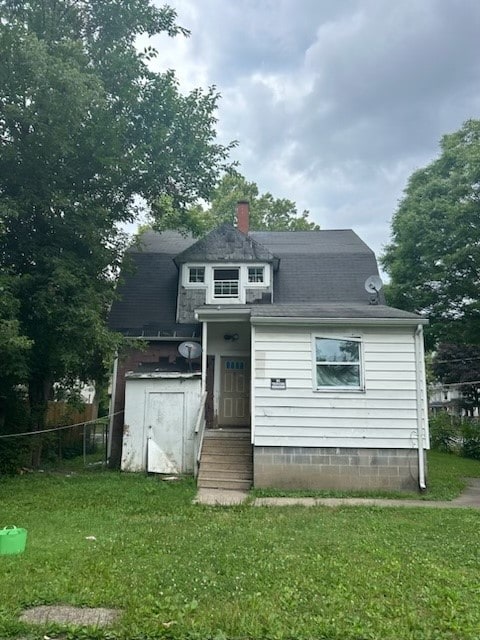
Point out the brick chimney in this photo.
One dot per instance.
(243, 216)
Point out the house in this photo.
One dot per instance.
(453, 399)
(267, 361)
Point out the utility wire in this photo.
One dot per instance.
(68, 426)
(453, 384)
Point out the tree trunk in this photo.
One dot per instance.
(38, 394)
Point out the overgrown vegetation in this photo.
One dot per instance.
(455, 434)
(179, 570)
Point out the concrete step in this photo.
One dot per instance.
(221, 450)
(227, 453)
(227, 462)
(227, 430)
(223, 439)
(237, 439)
(214, 483)
(224, 474)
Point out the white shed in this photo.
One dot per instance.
(160, 413)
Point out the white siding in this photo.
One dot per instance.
(383, 415)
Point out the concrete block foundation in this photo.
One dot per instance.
(335, 468)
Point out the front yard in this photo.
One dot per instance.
(179, 570)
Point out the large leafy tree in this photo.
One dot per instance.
(266, 212)
(87, 132)
(434, 257)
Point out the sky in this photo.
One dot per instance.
(334, 103)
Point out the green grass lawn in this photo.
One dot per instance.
(179, 570)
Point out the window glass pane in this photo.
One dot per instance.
(347, 375)
(225, 283)
(225, 274)
(255, 274)
(196, 274)
(329, 350)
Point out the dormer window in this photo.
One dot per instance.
(226, 283)
(255, 274)
(196, 275)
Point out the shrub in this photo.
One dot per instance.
(471, 439)
(445, 432)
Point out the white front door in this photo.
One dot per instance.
(164, 431)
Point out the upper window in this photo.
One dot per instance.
(255, 274)
(338, 363)
(226, 283)
(196, 274)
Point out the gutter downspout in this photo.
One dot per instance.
(419, 372)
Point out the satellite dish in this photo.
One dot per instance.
(190, 350)
(373, 284)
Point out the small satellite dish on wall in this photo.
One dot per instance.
(190, 350)
(373, 284)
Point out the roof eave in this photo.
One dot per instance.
(225, 315)
(392, 322)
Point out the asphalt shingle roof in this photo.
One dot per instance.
(147, 292)
(316, 267)
(325, 311)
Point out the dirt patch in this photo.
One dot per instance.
(63, 614)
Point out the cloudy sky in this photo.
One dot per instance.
(333, 102)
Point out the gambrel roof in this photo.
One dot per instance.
(315, 268)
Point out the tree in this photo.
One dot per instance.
(434, 257)
(14, 347)
(86, 130)
(460, 364)
(266, 212)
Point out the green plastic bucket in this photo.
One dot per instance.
(12, 540)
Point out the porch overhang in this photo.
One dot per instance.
(223, 314)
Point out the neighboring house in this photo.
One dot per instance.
(450, 399)
(305, 380)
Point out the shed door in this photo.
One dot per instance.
(235, 392)
(165, 425)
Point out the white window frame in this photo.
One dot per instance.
(190, 269)
(361, 364)
(228, 283)
(255, 283)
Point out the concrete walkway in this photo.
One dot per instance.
(469, 499)
(220, 497)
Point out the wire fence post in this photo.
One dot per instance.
(106, 441)
(84, 444)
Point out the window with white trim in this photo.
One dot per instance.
(196, 274)
(255, 275)
(338, 363)
(226, 283)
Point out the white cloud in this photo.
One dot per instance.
(334, 103)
